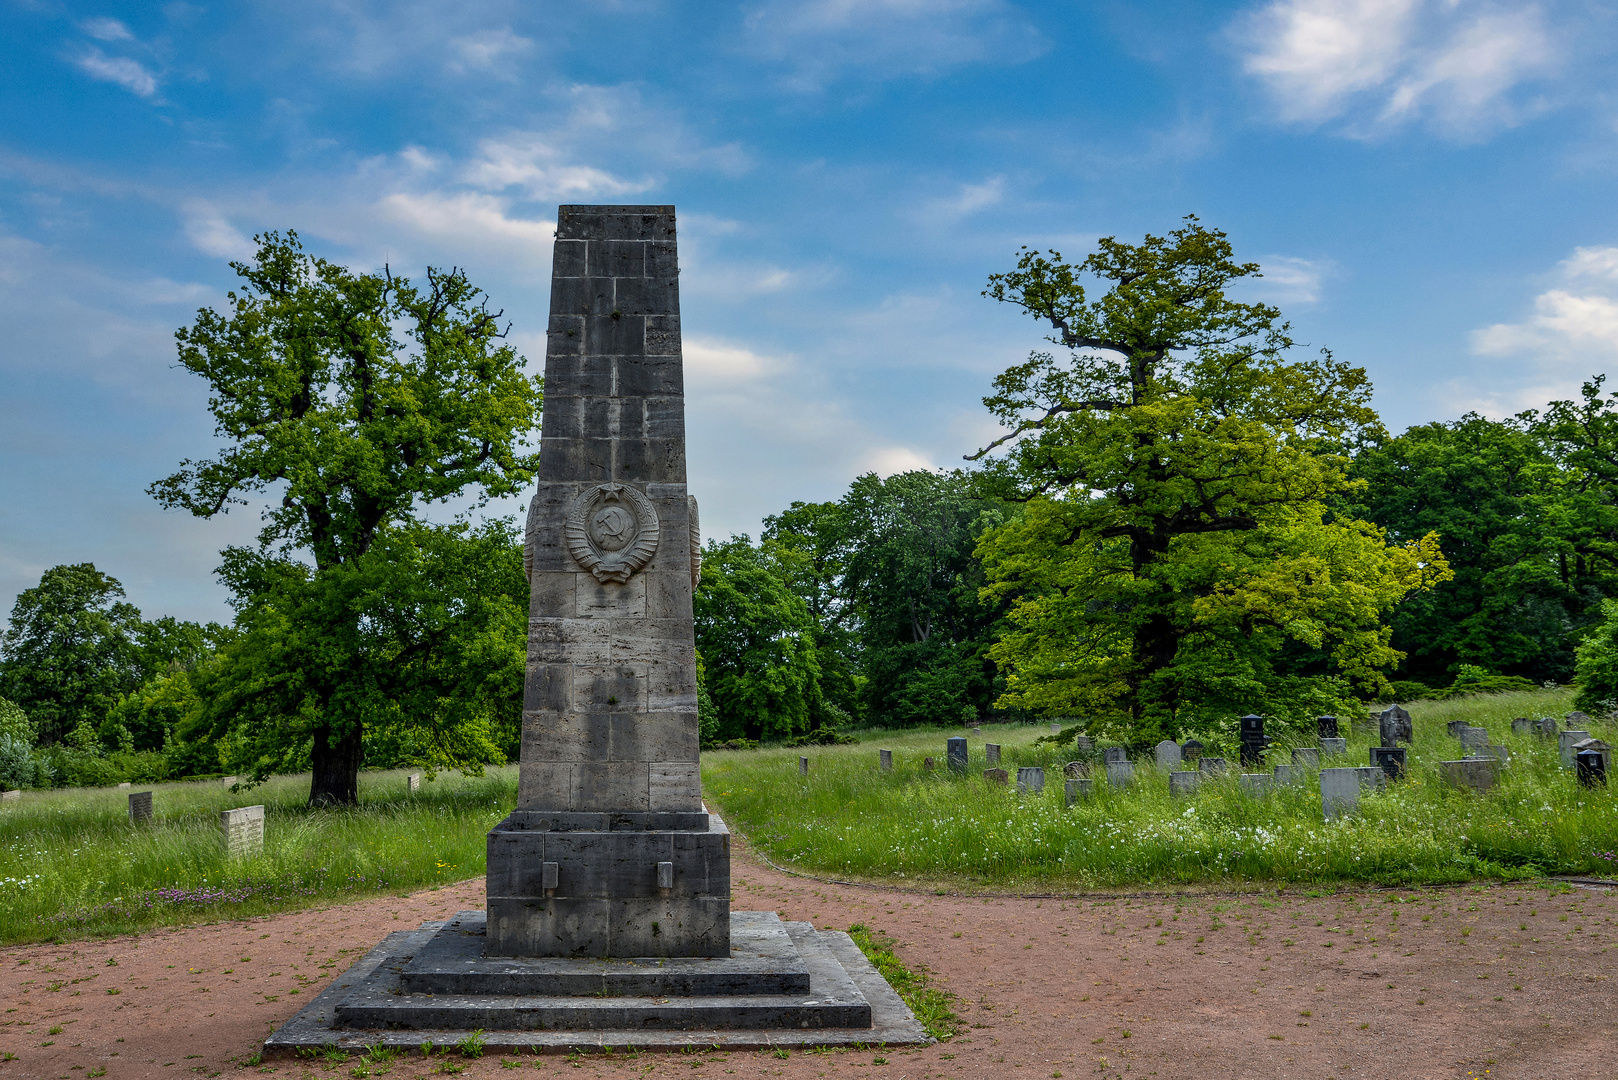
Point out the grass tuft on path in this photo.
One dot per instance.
(849, 819)
(933, 1006)
(73, 865)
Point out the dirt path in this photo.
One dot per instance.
(1448, 984)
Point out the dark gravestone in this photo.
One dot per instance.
(1455, 727)
(996, 776)
(1521, 726)
(1191, 751)
(1592, 768)
(1326, 727)
(1211, 765)
(1075, 770)
(955, 750)
(1395, 726)
(926, 764)
(1578, 719)
(1084, 744)
(1115, 753)
(1390, 759)
(1545, 727)
(1254, 741)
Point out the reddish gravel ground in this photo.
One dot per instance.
(1499, 981)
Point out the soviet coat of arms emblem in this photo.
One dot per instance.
(612, 532)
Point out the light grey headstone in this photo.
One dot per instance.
(1565, 740)
(140, 806)
(976, 730)
(1522, 726)
(991, 753)
(1120, 773)
(10, 796)
(885, 757)
(1084, 744)
(1474, 736)
(226, 781)
(1545, 727)
(1577, 719)
(803, 766)
(1339, 792)
(413, 782)
(124, 785)
(1211, 765)
(1030, 779)
(1307, 756)
(1455, 727)
(1289, 774)
(1395, 727)
(1472, 774)
(1168, 754)
(1115, 753)
(1330, 747)
(1055, 728)
(1372, 776)
(1183, 782)
(1078, 788)
(1258, 783)
(244, 831)
(955, 751)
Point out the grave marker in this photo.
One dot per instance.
(1330, 747)
(1120, 773)
(1254, 741)
(1599, 747)
(1545, 727)
(1474, 736)
(885, 757)
(1289, 774)
(926, 764)
(1075, 770)
(1055, 728)
(14, 795)
(1521, 726)
(1184, 782)
(140, 806)
(1077, 788)
(1084, 744)
(803, 766)
(996, 776)
(1255, 784)
(1030, 779)
(1566, 739)
(1115, 753)
(244, 831)
(1390, 759)
(1211, 765)
(1577, 719)
(1591, 767)
(1191, 751)
(1306, 757)
(124, 785)
(991, 753)
(1455, 727)
(226, 781)
(1472, 774)
(1339, 792)
(1168, 754)
(1326, 727)
(1395, 726)
(955, 750)
(413, 783)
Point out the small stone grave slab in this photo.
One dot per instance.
(955, 750)
(1472, 774)
(1075, 770)
(1289, 774)
(1577, 719)
(927, 764)
(140, 806)
(1168, 754)
(991, 753)
(1256, 784)
(885, 757)
(1084, 744)
(996, 776)
(1597, 745)
(413, 782)
(244, 831)
(1591, 768)
(1522, 726)
(226, 781)
(1306, 756)
(125, 786)
(1474, 736)
(1211, 765)
(1191, 750)
(1339, 792)
(1030, 779)
(1326, 727)
(1566, 740)
(1120, 773)
(1395, 726)
(1184, 782)
(1055, 728)
(1078, 788)
(803, 766)
(1455, 727)
(1545, 727)
(1371, 776)
(1330, 747)
(1390, 759)
(1115, 753)
(14, 795)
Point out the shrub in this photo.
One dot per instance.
(1409, 690)
(18, 769)
(822, 737)
(15, 723)
(1597, 673)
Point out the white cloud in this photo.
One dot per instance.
(1571, 335)
(1379, 63)
(213, 234)
(122, 70)
(105, 29)
(466, 216)
(818, 40)
(1290, 280)
(486, 50)
(887, 460)
(531, 163)
(974, 197)
(710, 360)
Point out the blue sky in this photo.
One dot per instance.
(1429, 185)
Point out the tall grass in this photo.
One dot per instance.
(72, 864)
(848, 818)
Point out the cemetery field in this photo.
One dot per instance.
(73, 865)
(847, 818)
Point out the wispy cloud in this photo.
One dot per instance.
(541, 171)
(816, 41)
(121, 70)
(1375, 64)
(489, 51)
(105, 29)
(1291, 280)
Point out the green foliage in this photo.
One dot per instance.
(1597, 678)
(359, 398)
(756, 638)
(419, 643)
(15, 723)
(850, 818)
(71, 649)
(72, 865)
(1472, 679)
(1177, 466)
(822, 737)
(933, 1006)
(1408, 690)
(18, 767)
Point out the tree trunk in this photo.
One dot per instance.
(336, 779)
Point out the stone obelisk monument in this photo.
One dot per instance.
(610, 852)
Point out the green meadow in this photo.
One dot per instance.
(72, 864)
(848, 819)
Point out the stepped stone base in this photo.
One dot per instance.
(785, 984)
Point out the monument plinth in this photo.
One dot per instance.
(609, 920)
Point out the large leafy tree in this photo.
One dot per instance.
(353, 400)
(1176, 464)
(71, 651)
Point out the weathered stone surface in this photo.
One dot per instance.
(1120, 773)
(1339, 792)
(1326, 727)
(1084, 744)
(10, 796)
(1576, 719)
(1191, 751)
(991, 753)
(927, 764)
(243, 830)
(1395, 726)
(1566, 741)
(997, 776)
(1030, 779)
(1211, 765)
(1115, 753)
(1307, 756)
(1289, 774)
(803, 766)
(1598, 746)
(1075, 770)
(140, 806)
(1522, 726)
(1078, 788)
(955, 751)
(1183, 783)
(1168, 754)
(1331, 747)
(1390, 759)
(1473, 736)
(1472, 774)
(1256, 783)
(413, 782)
(885, 758)
(1455, 727)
